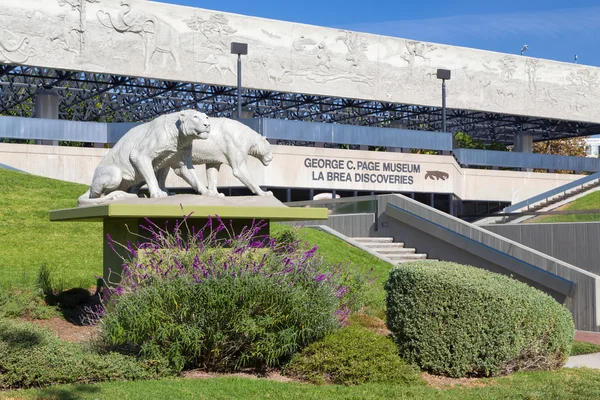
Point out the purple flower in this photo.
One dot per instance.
(341, 291)
(311, 252)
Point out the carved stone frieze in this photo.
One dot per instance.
(163, 41)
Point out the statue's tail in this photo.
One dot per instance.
(85, 200)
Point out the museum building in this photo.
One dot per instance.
(347, 113)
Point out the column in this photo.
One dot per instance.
(524, 144)
(46, 106)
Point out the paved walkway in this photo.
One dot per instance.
(586, 360)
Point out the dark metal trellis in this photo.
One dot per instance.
(87, 96)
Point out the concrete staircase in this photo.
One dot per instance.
(393, 250)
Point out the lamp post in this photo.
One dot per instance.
(239, 49)
(443, 74)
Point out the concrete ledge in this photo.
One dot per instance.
(253, 207)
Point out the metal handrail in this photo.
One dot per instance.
(330, 201)
(506, 159)
(551, 193)
(344, 200)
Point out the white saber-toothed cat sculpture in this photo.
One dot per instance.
(230, 142)
(165, 142)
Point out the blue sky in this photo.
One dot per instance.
(556, 30)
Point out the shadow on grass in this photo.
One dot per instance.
(74, 304)
(73, 392)
(20, 338)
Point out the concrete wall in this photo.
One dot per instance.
(289, 57)
(291, 167)
(352, 225)
(574, 243)
(444, 237)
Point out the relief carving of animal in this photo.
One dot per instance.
(14, 48)
(221, 63)
(165, 142)
(230, 143)
(276, 75)
(436, 175)
(157, 35)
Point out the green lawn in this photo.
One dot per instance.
(589, 202)
(564, 384)
(28, 239)
(335, 251)
(580, 347)
(74, 251)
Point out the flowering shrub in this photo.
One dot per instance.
(200, 300)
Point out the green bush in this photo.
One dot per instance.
(288, 237)
(15, 303)
(31, 356)
(352, 356)
(459, 321)
(222, 324)
(201, 300)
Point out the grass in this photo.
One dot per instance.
(72, 249)
(74, 252)
(335, 251)
(580, 384)
(580, 348)
(588, 202)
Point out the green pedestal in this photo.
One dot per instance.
(122, 219)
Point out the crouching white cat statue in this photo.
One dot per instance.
(165, 142)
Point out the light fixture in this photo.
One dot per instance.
(239, 49)
(443, 74)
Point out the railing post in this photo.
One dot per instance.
(376, 214)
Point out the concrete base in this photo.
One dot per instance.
(129, 230)
(122, 219)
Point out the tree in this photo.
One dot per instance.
(465, 141)
(575, 147)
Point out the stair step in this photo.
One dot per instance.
(382, 245)
(402, 250)
(408, 257)
(374, 239)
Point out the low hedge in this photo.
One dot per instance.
(458, 320)
(352, 356)
(31, 356)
